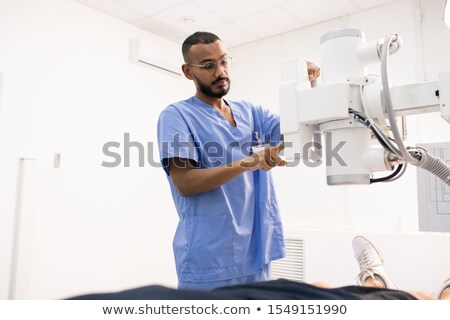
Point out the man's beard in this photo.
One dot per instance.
(207, 89)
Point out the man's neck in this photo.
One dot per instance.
(217, 103)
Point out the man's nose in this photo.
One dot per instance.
(220, 71)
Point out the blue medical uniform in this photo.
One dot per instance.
(235, 230)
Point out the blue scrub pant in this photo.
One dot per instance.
(263, 275)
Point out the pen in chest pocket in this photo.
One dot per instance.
(260, 144)
(258, 138)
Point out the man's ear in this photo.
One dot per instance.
(187, 71)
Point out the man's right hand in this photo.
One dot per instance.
(265, 159)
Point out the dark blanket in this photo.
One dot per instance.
(269, 290)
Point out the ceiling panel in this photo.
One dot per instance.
(281, 1)
(366, 4)
(149, 7)
(189, 17)
(165, 31)
(262, 23)
(234, 9)
(115, 9)
(233, 35)
(321, 10)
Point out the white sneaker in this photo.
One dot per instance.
(370, 263)
(446, 285)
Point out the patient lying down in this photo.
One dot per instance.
(373, 284)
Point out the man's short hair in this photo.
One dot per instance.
(202, 37)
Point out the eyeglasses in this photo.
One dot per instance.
(210, 67)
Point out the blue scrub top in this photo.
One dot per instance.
(235, 229)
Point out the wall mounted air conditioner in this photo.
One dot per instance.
(155, 55)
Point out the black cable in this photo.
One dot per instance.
(417, 152)
(361, 118)
(383, 139)
(391, 176)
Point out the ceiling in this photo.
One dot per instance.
(235, 21)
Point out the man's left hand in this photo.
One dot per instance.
(313, 71)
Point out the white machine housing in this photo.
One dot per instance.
(352, 154)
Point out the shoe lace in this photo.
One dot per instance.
(366, 265)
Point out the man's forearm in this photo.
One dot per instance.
(189, 180)
(195, 181)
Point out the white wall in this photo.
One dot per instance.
(307, 203)
(69, 88)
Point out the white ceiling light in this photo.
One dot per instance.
(188, 20)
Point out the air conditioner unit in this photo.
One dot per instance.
(155, 55)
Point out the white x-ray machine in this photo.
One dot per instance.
(356, 112)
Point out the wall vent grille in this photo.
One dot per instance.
(291, 267)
